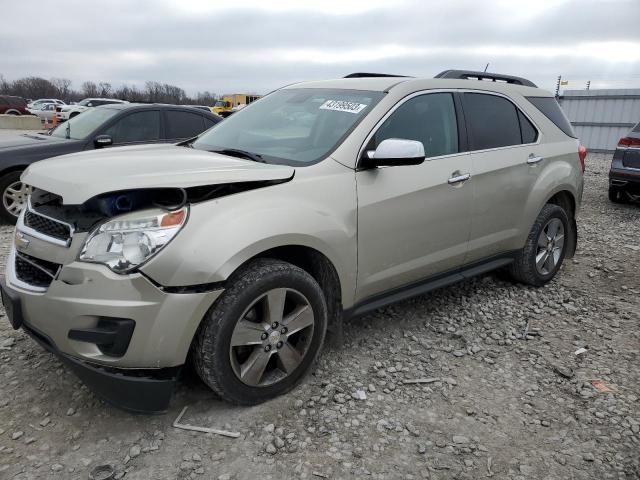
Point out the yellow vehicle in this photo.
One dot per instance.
(231, 103)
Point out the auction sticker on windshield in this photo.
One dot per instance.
(343, 106)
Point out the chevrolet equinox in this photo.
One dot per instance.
(238, 250)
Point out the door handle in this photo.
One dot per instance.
(532, 160)
(459, 178)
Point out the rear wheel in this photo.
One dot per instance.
(543, 254)
(14, 196)
(616, 195)
(263, 334)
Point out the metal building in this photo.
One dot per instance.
(601, 117)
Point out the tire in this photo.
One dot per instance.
(616, 195)
(524, 268)
(6, 209)
(249, 299)
(74, 114)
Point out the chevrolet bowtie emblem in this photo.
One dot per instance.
(21, 242)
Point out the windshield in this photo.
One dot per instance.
(80, 126)
(84, 102)
(292, 126)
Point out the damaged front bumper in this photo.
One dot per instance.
(124, 336)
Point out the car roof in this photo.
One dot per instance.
(155, 106)
(410, 84)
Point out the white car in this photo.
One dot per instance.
(66, 112)
(37, 104)
(44, 111)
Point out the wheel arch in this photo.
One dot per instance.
(318, 265)
(566, 200)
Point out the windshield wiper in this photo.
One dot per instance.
(234, 152)
(68, 130)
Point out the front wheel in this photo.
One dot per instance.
(263, 334)
(14, 196)
(540, 259)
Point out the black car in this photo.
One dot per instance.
(624, 176)
(105, 126)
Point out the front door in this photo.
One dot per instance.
(414, 221)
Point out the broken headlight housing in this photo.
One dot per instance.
(127, 241)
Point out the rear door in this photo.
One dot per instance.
(505, 151)
(412, 222)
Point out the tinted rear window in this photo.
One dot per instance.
(549, 106)
(492, 120)
(184, 124)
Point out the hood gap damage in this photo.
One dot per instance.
(110, 204)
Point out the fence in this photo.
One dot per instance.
(601, 117)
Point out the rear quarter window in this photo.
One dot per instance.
(550, 108)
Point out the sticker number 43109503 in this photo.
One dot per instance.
(343, 106)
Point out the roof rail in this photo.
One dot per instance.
(371, 75)
(494, 77)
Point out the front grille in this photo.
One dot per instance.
(47, 226)
(34, 271)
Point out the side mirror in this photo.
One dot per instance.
(102, 141)
(395, 152)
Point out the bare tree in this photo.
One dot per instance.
(104, 89)
(89, 89)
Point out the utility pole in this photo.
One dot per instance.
(588, 84)
(558, 86)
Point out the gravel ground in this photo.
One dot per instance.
(503, 393)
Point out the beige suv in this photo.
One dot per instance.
(239, 249)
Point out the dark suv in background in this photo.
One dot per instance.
(106, 126)
(624, 176)
(11, 105)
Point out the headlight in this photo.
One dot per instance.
(129, 240)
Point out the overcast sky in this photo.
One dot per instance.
(258, 45)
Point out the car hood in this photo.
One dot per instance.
(81, 176)
(27, 140)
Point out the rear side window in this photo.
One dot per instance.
(492, 121)
(549, 106)
(183, 124)
(430, 119)
(636, 129)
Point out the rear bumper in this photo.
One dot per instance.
(625, 179)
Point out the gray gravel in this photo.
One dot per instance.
(449, 385)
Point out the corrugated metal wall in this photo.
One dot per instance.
(601, 117)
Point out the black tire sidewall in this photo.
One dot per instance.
(224, 315)
(5, 181)
(548, 213)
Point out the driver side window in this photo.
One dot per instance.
(429, 118)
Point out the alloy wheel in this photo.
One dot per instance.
(14, 197)
(550, 246)
(272, 337)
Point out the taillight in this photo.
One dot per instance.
(582, 153)
(629, 142)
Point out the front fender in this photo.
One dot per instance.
(316, 210)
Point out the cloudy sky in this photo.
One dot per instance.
(257, 45)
